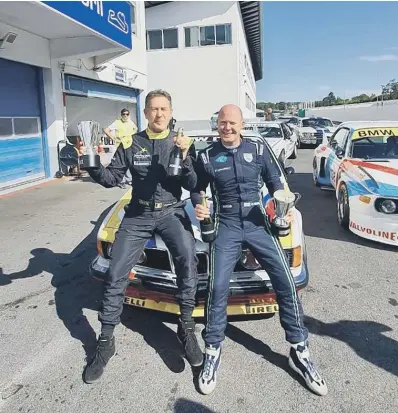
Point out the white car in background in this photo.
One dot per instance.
(213, 121)
(313, 130)
(283, 140)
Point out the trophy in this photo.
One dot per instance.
(283, 202)
(90, 136)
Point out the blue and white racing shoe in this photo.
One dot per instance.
(300, 362)
(208, 375)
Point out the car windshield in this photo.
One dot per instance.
(270, 132)
(375, 147)
(324, 122)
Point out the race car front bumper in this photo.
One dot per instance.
(245, 297)
(309, 140)
(382, 228)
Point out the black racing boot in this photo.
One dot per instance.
(187, 337)
(104, 352)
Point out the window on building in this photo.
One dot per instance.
(133, 19)
(208, 35)
(10, 127)
(192, 37)
(170, 39)
(223, 34)
(249, 103)
(26, 126)
(5, 127)
(162, 39)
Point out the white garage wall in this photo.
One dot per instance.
(100, 110)
(27, 48)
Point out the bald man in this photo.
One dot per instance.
(234, 167)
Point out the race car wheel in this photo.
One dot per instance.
(343, 207)
(294, 153)
(315, 173)
(282, 159)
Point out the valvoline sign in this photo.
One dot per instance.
(111, 19)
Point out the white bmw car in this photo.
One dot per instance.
(360, 163)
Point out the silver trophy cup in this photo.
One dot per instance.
(89, 132)
(283, 201)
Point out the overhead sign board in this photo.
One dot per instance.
(110, 19)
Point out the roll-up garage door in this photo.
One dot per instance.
(104, 103)
(21, 139)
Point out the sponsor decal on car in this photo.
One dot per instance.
(392, 236)
(369, 132)
(261, 309)
(134, 301)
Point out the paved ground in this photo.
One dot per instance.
(48, 320)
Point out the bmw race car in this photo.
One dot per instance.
(283, 140)
(152, 282)
(360, 163)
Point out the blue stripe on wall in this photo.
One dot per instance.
(20, 158)
(87, 87)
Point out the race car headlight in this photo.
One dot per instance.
(248, 261)
(104, 249)
(142, 259)
(387, 206)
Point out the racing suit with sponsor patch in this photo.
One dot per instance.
(236, 177)
(155, 207)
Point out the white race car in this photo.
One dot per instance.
(213, 121)
(313, 130)
(282, 139)
(360, 163)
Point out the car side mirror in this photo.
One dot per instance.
(289, 170)
(339, 152)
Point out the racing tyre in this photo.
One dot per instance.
(281, 159)
(294, 153)
(343, 207)
(315, 173)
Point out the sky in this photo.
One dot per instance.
(313, 48)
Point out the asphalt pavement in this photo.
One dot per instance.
(48, 318)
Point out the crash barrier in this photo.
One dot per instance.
(387, 110)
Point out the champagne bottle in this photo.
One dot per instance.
(176, 158)
(206, 225)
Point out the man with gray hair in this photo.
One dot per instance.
(155, 207)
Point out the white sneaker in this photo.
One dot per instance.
(300, 362)
(208, 375)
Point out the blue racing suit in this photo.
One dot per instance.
(236, 177)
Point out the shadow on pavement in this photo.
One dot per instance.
(319, 211)
(74, 289)
(258, 347)
(150, 325)
(364, 337)
(188, 406)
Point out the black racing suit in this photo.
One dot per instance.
(155, 207)
(235, 177)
